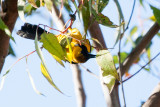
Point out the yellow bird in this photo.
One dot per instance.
(80, 48)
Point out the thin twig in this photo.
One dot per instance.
(121, 18)
(89, 71)
(131, 15)
(141, 68)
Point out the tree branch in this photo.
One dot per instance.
(154, 99)
(9, 19)
(79, 90)
(132, 57)
(112, 99)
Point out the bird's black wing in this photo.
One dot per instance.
(29, 31)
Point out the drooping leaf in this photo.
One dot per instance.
(96, 40)
(28, 9)
(4, 27)
(149, 54)
(43, 65)
(133, 30)
(11, 51)
(33, 84)
(31, 80)
(49, 4)
(102, 19)
(85, 15)
(2, 82)
(141, 2)
(21, 5)
(33, 3)
(51, 44)
(156, 13)
(102, 4)
(48, 77)
(58, 60)
(129, 38)
(123, 57)
(109, 80)
(109, 72)
(68, 6)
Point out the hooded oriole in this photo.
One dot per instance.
(81, 48)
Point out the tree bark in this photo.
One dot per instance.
(154, 99)
(9, 17)
(112, 99)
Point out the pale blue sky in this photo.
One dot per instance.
(18, 92)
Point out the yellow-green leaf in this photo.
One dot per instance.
(43, 64)
(33, 3)
(48, 77)
(21, 5)
(51, 44)
(48, 4)
(152, 18)
(109, 80)
(58, 60)
(4, 27)
(109, 72)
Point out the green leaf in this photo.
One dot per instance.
(102, 4)
(49, 4)
(4, 27)
(43, 64)
(48, 77)
(123, 57)
(21, 5)
(51, 44)
(156, 13)
(102, 19)
(133, 30)
(85, 15)
(67, 6)
(141, 2)
(109, 80)
(11, 51)
(33, 3)
(109, 72)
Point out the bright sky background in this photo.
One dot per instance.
(18, 92)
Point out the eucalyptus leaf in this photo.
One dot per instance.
(156, 13)
(33, 3)
(21, 5)
(43, 66)
(51, 44)
(109, 72)
(4, 27)
(102, 19)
